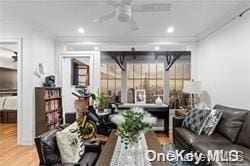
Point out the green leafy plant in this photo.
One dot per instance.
(102, 100)
(130, 129)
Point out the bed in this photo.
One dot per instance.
(8, 109)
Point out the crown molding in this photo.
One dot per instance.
(224, 20)
(29, 24)
(126, 39)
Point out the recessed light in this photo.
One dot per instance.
(157, 48)
(81, 30)
(170, 29)
(96, 48)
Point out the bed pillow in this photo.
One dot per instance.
(212, 121)
(2, 101)
(195, 119)
(10, 103)
(69, 145)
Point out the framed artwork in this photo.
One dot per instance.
(140, 96)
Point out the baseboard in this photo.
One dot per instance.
(26, 142)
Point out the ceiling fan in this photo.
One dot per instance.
(124, 9)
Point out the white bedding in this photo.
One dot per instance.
(10, 103)
(2, 101)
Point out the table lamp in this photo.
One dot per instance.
(193, 88)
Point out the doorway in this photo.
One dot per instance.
(10, 89)
(73, 75)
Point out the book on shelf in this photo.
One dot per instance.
(50, 94)
(52, 105)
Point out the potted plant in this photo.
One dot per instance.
(102, 102)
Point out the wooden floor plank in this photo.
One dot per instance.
(10, 153)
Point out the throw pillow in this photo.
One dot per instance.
(195, 120)
(69, 145)
(212, 121)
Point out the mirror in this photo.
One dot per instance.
(80, 71)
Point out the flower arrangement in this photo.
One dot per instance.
(131, 123)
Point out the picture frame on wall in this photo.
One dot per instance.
(140, 96)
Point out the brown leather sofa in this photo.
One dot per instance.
(49, 154)
(232, 133)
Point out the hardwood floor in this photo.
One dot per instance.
(12, 155)
(163, 139)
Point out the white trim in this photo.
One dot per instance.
(19, 42)
(126, 39)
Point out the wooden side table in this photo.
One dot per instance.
(181, 112)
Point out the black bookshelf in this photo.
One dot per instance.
(49, 111)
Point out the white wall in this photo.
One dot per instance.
(224, 64)
(37, 45)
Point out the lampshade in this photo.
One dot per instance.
(192, 87)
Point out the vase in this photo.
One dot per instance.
(158, 101)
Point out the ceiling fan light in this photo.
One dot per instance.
(123, 12)
(157, 48)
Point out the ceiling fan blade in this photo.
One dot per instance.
(104, 18)
(111, 3)
(157, 7)
(133, 24)
(127, 1)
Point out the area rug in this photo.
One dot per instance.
(171, 148)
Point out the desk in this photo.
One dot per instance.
(159, 111)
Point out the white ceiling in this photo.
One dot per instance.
(63, 18)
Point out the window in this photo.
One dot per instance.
(177, 74)
(148, 76)
(111, 79)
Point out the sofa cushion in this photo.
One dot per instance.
(195, 119)
(230, 122)
(244, 136)
(192, 138)
(203, 148)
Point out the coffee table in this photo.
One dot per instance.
(107, 152)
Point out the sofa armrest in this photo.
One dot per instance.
(93, 146)
(177, 121)
(63, 126)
